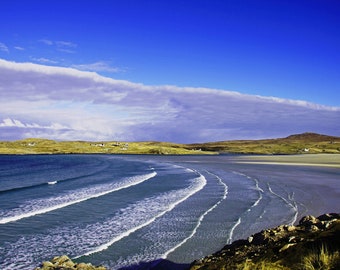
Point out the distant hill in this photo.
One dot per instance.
(43, 146)
(294, 144)
(312, 137)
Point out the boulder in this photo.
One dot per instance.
(65, 263)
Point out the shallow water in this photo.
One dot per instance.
(123, 210)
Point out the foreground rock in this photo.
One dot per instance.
(65, 263)
(284, 247)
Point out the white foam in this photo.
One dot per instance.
(290, 203)
(257, 187)
(52, 182)
(260, 191)
(199, 221)
(41, 206)
(230, 239)
(198, 184)
(94, 237)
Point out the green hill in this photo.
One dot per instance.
(295, 144)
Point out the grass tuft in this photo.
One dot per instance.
(262, 265)
(322, 259)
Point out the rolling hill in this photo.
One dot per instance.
(304, 143)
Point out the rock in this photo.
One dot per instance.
(327, 217)
(313, 228)
(47, 264)
(59, 260)
(287, 246)
(82, 266)
(328, 224)
(69, 264)
(283, 247)
(291, 239)
(291, 228)
(308, 221)
(65, 263)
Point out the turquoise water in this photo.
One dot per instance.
(120, 211)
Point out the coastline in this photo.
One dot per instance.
(319, 160)
(323, 191)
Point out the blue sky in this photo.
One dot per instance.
(289, 50)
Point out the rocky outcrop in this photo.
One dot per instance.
(65, 263)
(284, 245)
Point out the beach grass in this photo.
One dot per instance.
(321, 259)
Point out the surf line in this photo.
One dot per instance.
(199, 222)
(257, 187)
(238, 222)
(62, 205)
(260, 191)
(201, 183)
(291, 204)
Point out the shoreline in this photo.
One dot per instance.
(318, 160)
(313, 202)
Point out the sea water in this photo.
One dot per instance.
(133, 211)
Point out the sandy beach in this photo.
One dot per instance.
(320, 160)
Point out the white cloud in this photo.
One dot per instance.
(3, 47)
(11, 123)
(43, 60)
(46, 42)
(62, 46)
(84, 105)
(67, 44)
(8, 122)
(19, 48)
(97, 67)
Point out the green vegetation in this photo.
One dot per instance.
(263, 265)
(43, 146)
(317, 259)
(322, 259)
(306, 143)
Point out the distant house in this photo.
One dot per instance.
(125, 146)
(98, 144)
